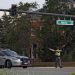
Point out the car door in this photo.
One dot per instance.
(2, 58)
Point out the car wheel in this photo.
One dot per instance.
(24, 66)
(8, 64)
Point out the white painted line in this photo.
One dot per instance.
(45, 67)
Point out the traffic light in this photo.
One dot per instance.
(13, 10)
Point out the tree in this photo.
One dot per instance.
(51, 34)
(17, 30)
(1, 36)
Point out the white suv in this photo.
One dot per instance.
(9, 58)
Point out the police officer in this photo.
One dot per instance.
(57, 56)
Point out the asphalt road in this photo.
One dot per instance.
(38, 71)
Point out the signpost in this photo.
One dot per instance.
(64, 22)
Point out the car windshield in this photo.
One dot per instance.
(9, 53)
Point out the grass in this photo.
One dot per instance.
(73, 74)
(3, 72)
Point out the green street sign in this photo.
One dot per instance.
(64, 22)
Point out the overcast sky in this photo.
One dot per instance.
(5, 4)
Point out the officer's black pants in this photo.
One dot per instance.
(58, 61)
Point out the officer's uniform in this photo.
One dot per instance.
(58, 58)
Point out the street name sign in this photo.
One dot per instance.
(64, 22)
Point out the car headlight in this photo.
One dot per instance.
(15, 59)
(18, 60)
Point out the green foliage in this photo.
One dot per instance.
(52, 35)
(45, 55)
(27, 6)
(16, 33)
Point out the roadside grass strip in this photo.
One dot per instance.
(73, 74)
(3, 72)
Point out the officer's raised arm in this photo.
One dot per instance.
(51, 49)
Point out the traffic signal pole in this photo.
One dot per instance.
(13, 11)
(7, 10)
(48, 14)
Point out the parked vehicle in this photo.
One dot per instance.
(9, 58)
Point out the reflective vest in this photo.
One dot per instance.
(57, 52)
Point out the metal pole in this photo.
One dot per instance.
(48, 14)
(7, 10)
(39, 13)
